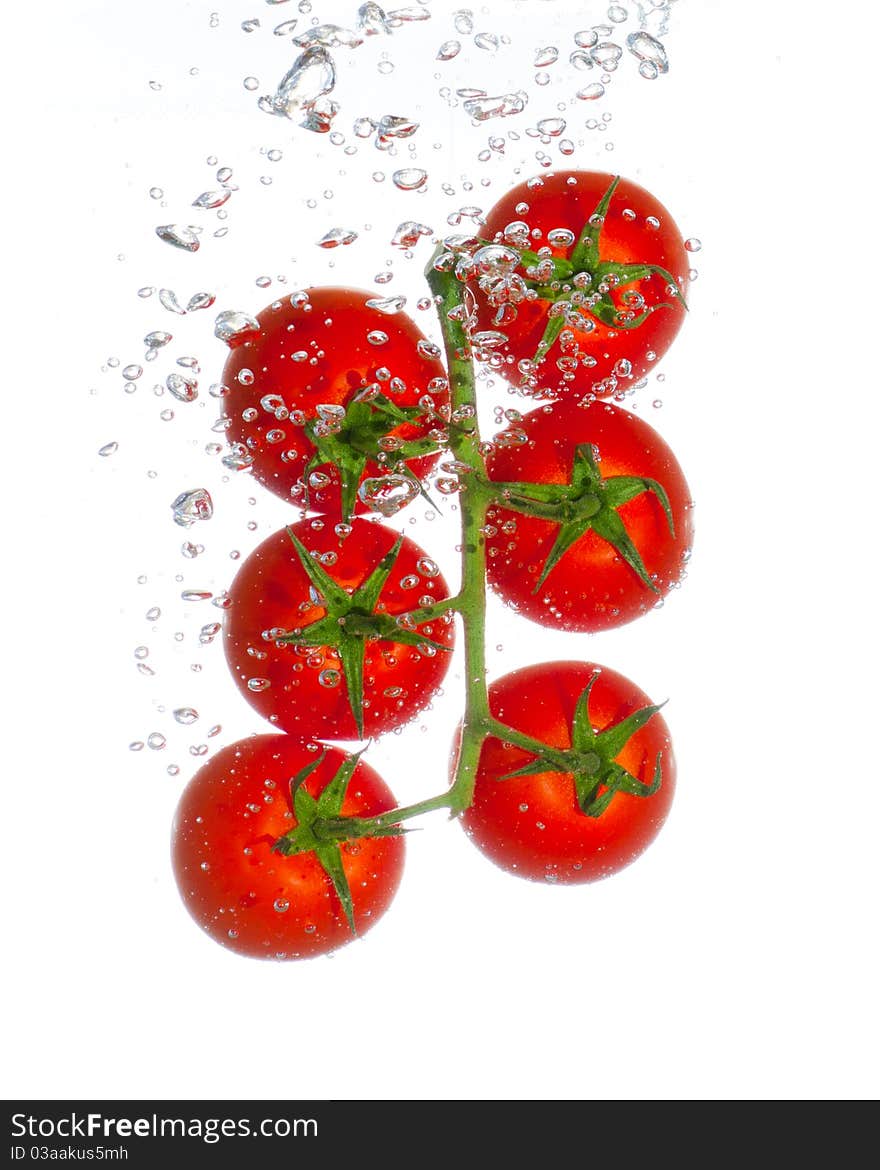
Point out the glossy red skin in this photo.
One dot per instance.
(591, 587)
(531, 826)
(333, 330)
(229, 816)
(271, 590)
(559, 202)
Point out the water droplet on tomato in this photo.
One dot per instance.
(257, 685)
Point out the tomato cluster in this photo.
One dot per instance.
(339, 628)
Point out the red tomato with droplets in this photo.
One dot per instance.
(317, 355)
(603, 350)
(595, 584)
(533, 825)
(245, 894)
(305, 688)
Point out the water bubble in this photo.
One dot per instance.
(157, 339)
(156, 741)
(191, 506)
(329, 678)
(693, 244)
(180, 236)
(649, 51)
(607, 55)
(108, 449)
(387, 494)
(231, 325)
(545, 57)
(551, 126)
(448, 50)
(483, 107)
(372, 21)
(211, 199)
(186, 715)
(201, 300)
(410, 179)
(387, 305)
(329, 36)
(311, 76)
(409, 233)
(184, 387)
(336, 238)
(168, 300)
(590, 92)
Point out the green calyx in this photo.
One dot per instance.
(350, 621)
(587, 502)
(591, 758)
(583, 283)
(322, 829)
(361, 436)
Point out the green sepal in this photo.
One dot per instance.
(591, 760)
(357, 441)
(330, 857)
(585, 255)
(587, 502)
(316, 820)
(350, 621)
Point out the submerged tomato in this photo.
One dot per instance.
(329, 393)
(611, 287)
(244, 892)
(316, 629)
(594, 803)
(618, 532)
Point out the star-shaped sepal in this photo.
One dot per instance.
(587, 502)
(322, 829)
(582, 285)
(591, 759)
(350, 621)
(350, 438)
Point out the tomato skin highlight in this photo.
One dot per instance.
(532, 826)
(272, 591)
(591, 587)
(253, 900)
(566, 200)
(331, 329)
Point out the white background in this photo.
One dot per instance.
(738, 957)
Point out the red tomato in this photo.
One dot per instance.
(533, 825)
(303, 683)
(321, 357)
(252, 898)
(601, 350)
(598, 582)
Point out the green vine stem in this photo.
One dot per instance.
(475, 496)
(477, 493)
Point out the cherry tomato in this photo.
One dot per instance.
(316, 634)
(610, 541)
(609, 288)
(332, 392)
(598, 796)
(242, 889)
